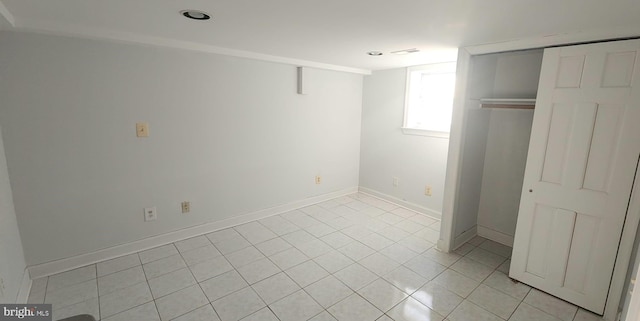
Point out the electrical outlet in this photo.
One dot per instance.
(150, 214)
(318, 179)
(142, 129)
(186, 207)
(396, 182)
(427, 190)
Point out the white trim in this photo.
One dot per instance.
(496, 236)
(25, 288)
(454, 156)
(424, 132)
(443, 67)
(625, 249)
(464, 237)
(402, 203)
(633, 311)
(6, 14)
(66, 264)
(508, 101)
(126, 37)
(554, 40)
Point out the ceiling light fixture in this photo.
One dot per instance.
(195, 14)
(405, 51)
(374, 53)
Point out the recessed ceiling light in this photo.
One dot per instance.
(195, 14)
(374, 53)
(405, 51)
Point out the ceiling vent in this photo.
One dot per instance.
(405, 51)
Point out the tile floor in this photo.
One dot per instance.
(352, 258)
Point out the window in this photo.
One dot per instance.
(429, 99)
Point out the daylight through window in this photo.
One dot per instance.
(429, 99)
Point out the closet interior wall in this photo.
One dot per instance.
(495, 145)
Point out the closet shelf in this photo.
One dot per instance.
(515, 103)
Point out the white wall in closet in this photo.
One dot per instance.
(495, 144)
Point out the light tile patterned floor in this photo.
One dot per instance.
(352, 258)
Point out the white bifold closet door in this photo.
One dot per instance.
(583, 153)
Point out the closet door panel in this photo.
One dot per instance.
(580, 169)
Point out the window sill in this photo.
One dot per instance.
(424, 132)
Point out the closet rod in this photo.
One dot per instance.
(514, 103)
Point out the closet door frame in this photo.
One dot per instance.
(456, 143)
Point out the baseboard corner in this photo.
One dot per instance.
(464, 237)
(402, 203)
(25, 288)
(495, 236)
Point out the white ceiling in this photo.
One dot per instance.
(325, 33)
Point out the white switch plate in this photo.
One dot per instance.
(150, 214)
(396, 182)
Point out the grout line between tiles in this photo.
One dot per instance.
(369, 223)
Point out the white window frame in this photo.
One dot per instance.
(431, 68)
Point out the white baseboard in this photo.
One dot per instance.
(66, 264)
(25, 288)
(402, 203)
(495, 236)
(464, 237)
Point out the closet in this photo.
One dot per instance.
(502, 88)
(557, 181)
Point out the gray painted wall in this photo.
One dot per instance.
(228, 134)
(386, 152)
(12, 264)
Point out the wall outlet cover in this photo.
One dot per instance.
(427, 191)
(186, 207)
(142, 129)
(150, 214)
